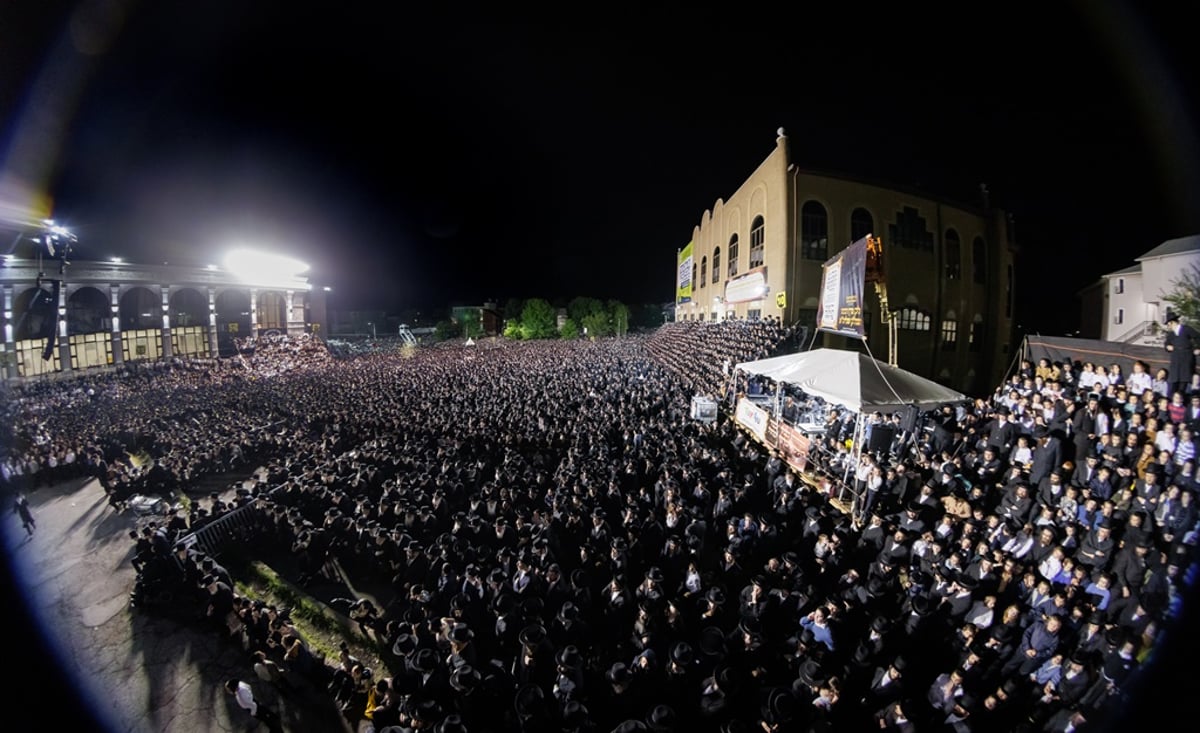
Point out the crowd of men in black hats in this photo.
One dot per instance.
(567, 550)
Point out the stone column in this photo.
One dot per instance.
(253, 312)
(10, 344)
(167, 351)
(212, 322)
(118, 346)
(64, 345)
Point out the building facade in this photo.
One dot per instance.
(948, 267)
(1133, 307)
(104, 314)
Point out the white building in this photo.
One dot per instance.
(1134, 307)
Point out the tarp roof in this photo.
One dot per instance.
(853, 380)
(1059, 348)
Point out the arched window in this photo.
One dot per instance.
(703, 271)
(861, 224)
(909, 230)
(814, 231)
(716, 265)
(953, 255)
(949, 331)
(979, 261)
(758, 238)
(733, 256)
(914, 319)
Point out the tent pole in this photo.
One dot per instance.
(856, 453)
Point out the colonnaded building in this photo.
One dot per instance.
(110, 313)
(948, 266)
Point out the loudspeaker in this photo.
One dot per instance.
(881, 439)
(908, 418)
(50, 326)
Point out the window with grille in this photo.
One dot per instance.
(914, 319)
(814, 231)
(758, 240)
(949, 334)
(979, 261)
(953, 255)
(861, 224)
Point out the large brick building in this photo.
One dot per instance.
(949, 266)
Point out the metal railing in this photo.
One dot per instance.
(1138, 331)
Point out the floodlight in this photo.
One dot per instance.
(262, 267)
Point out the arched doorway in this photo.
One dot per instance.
(140, 309)
(141, 324)
(34, 321)
(89, 326)
(33, 314)
(189, 323)
(272, 311)
(233, 319)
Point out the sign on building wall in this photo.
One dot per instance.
(683, 280)
(748, 287)
(842, 284)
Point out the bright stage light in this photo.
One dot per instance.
(263, 267)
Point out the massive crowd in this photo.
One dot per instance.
(567, 550)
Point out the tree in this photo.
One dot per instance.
(618, 314)
(472, 324)
(596, 325)
(1185, 298)
(569, 330)
(446, 329)
(538, 320)
(581, 307)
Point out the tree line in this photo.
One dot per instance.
(538, 318)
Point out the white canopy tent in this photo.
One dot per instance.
(855, 381)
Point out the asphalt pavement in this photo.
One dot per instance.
(85, 661)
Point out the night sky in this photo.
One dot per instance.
(418, 160)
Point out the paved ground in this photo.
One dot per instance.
(90, 662)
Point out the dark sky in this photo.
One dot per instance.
(418, 159)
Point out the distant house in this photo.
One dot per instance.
(1133, 306)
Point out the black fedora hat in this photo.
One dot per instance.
(405, 644)
(618, 674)
(779, 707)
(711, 642)
(465, 678)
(569, 657)
(452, 723)
(529, 700)
(568, 612)
(682, 654)
(532, 635)
(661, 718)
(811, 673)
(425, 661)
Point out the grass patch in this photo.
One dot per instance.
(317, 626)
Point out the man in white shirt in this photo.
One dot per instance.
(245, 700)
